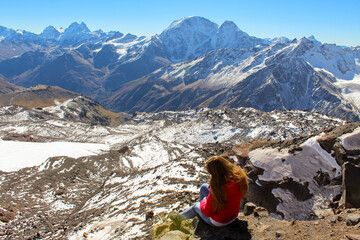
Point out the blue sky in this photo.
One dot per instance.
(329, 21)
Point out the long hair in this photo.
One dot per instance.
(221, 171)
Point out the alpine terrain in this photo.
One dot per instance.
(193, 63)
(104, 135)
(84, 179)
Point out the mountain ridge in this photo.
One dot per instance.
(103, 66)
(268, 81)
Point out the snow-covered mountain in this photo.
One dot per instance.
(192, 63)
(313, 39)
(192, 37)
(75, 33)
(14, 43)
(283, 40)
(301, 75)
(10, 34)
(51, 33)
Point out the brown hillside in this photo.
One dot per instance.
(37, 97)
(6, 87)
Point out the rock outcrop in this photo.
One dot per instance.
(343, 143)
(350, 186)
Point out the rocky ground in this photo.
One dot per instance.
(156, 166)
(339, 225)
(330, 225)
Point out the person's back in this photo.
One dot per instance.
(220, 205)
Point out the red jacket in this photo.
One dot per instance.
(231, 211)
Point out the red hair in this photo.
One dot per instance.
(221, 171)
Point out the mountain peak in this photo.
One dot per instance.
(314, 40)
(281, 39)
(192, 24)
(229, 24)
(116, 35)
(50, 32)
(78, 27)
(230, 27)
(127, 38)
(49, 28)
(304, 40)
(5, 32)
(77, 31)
(230, 36)
(184, 36)
(192, 21)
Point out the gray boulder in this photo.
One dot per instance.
(352, 219)
(249, 208)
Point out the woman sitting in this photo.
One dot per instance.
(220, 202)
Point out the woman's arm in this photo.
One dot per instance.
(206, 206)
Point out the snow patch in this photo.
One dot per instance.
(59, 205)
(35, 153)
(302, 165)
(102, 229)
(351, 141)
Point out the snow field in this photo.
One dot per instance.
(16, 155)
